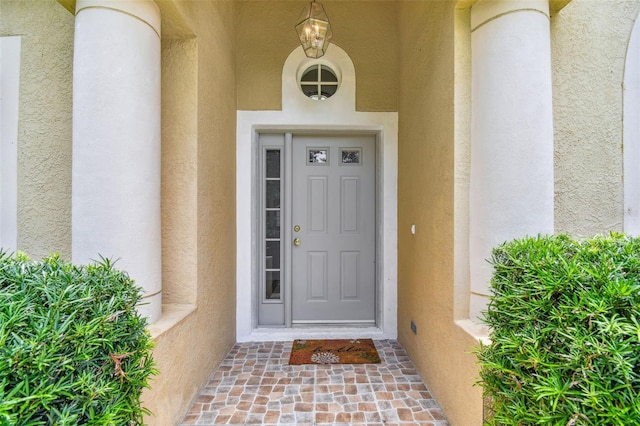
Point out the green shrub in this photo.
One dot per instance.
(73, 349)
(565, 321)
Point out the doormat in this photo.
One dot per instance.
(343, 351)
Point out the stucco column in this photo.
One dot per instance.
(511, 188)
(116, 140)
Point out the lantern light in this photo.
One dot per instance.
(314, 30)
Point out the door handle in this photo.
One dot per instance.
(296, 242)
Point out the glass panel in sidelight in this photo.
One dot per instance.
(272, 282)
(272, 224)
(273, 194)
(273, 255)
(273, 163)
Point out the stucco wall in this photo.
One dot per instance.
(44, 126)
(426, 198)
(589, 42)
(199, 108)
(179, 169)
(366, 30)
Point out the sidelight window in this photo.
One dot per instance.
(272, 238)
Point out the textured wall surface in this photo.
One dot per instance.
(179, 169)
(426, 198)
(44, 127)
(366, 30)
(589, 42)
(198, 201)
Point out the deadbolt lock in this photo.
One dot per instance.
(296, 228)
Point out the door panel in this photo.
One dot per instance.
(333, 203)
(317, 276)
(349, 189)
(317, 211)
(349, 275)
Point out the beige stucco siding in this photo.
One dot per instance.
(589, 43)
(44, 123)
(199, 108)
(426, 199)
(366, 30)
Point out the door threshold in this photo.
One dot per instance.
(329, 324)
(316, 332)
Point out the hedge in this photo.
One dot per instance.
(73, 348)
(565, 332)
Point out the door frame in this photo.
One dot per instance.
(286, 273)
(247, 264)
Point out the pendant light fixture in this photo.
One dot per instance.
(314, 30)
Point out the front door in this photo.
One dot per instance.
(333, 253)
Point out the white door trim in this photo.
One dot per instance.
(301, 114)
(10, 48)
(246, 193)
(631, 143)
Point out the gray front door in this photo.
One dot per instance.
(333, 220)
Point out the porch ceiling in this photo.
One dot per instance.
(554, 5)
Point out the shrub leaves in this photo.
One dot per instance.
(73, 348)
(565, 321)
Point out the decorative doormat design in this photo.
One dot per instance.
(343, 351)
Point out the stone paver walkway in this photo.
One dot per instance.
(255, 384)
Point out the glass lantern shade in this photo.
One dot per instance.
(314, 30)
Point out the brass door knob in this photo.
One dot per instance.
(296, 242)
